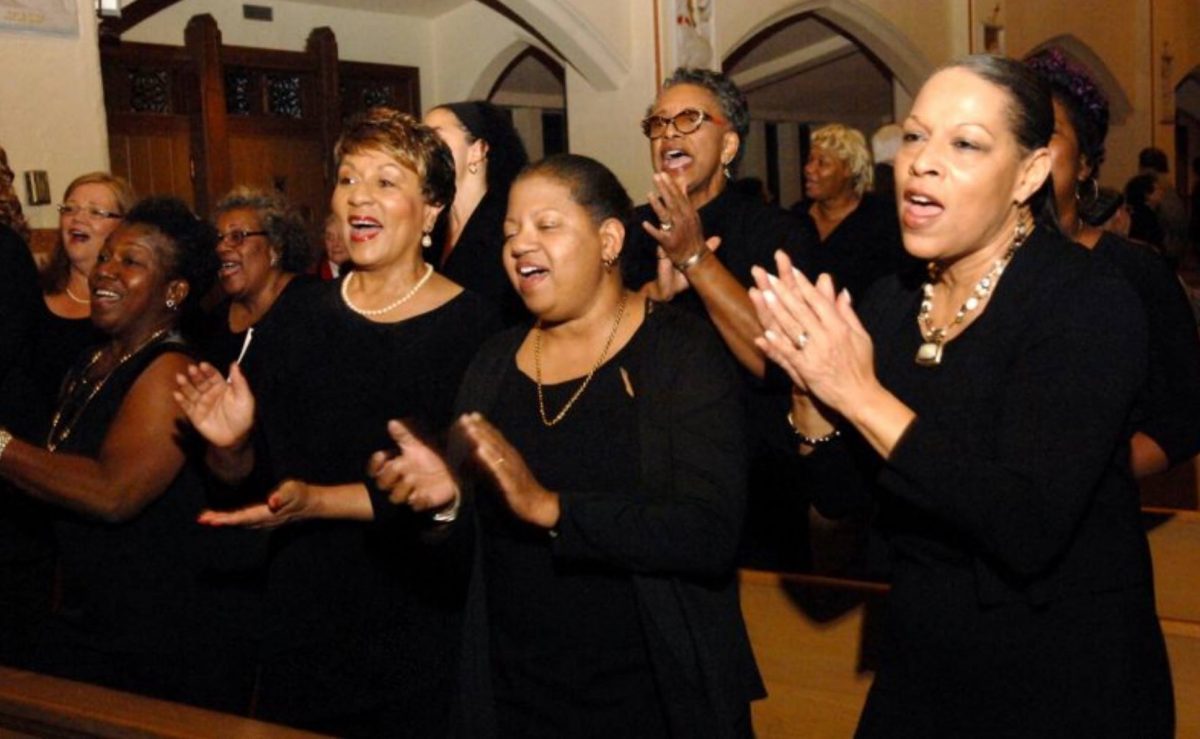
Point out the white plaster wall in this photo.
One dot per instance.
(52, 109)
(362, 36)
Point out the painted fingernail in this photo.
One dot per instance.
(769, 296)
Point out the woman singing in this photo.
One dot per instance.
(994, 402)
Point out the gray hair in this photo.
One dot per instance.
(729, 97)
(286, 230)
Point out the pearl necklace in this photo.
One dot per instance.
(59, 435)
(537, 367)
(929, 354)
(391, 306)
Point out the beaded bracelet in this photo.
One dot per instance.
(813, 441)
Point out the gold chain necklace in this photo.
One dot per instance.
(76, 298)
(56, 437)
(929, 354)
(391, 306)
(537, 367)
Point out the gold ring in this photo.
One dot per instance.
(499, 461)
(666, 226)
(801, 340)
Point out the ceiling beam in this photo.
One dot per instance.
(131, 14)
(796, 62)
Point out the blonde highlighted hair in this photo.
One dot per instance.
(850, 146)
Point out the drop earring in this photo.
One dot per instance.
(426, 240)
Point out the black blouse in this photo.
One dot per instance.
(1018, 555)
(476, 261)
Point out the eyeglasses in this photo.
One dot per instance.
(88, 211)
(685, 121)
(237, 237)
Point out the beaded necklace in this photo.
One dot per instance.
(929, 354)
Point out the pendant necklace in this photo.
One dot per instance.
(929, 354)
(59, 434)
(537, 367)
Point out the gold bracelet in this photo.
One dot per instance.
(693, 260)
(5, 437)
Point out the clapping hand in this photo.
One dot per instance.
(221, 411)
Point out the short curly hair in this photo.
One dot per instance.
(192, 241)
(850, 146)
(729, 96)
(1086, 106)
(408, 141)
(286, 230)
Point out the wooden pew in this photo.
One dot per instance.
(33, 705)
(807, 636)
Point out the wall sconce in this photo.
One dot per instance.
(108, 8)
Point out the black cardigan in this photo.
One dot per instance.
(678, 534)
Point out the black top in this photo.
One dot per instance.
(751, 231)
(476, 261)
(568, 654)
(133, 612)
(361, 619)
(864, 247)
(675, 533)
(220, 345)
(61, 342)
(1169, 409)
(24, 535)
(1022, 596)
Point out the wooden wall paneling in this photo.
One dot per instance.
(322, 47)
(210, 136)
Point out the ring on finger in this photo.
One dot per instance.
(801, 340)
(498, 461)
(666, 226)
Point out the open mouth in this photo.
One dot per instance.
(920, 208)
(104, 295)
(530, 275)
(363, 228)
(78, 236)
(674, 159)
(229, 268)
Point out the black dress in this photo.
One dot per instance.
(26, 546)
(1169, 409)
(1022, 602)
(476, 261)
(134, 611)
(362, 619)
(568, 654)
(626, 622)
(751, 232)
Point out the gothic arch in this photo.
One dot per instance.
(908, 65)
(571, 37)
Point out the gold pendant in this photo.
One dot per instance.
(929, 354)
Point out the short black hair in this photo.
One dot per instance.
(191, 241)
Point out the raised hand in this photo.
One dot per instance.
(525, 496)
(678, 232)
(221, 411)
(417, 477)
